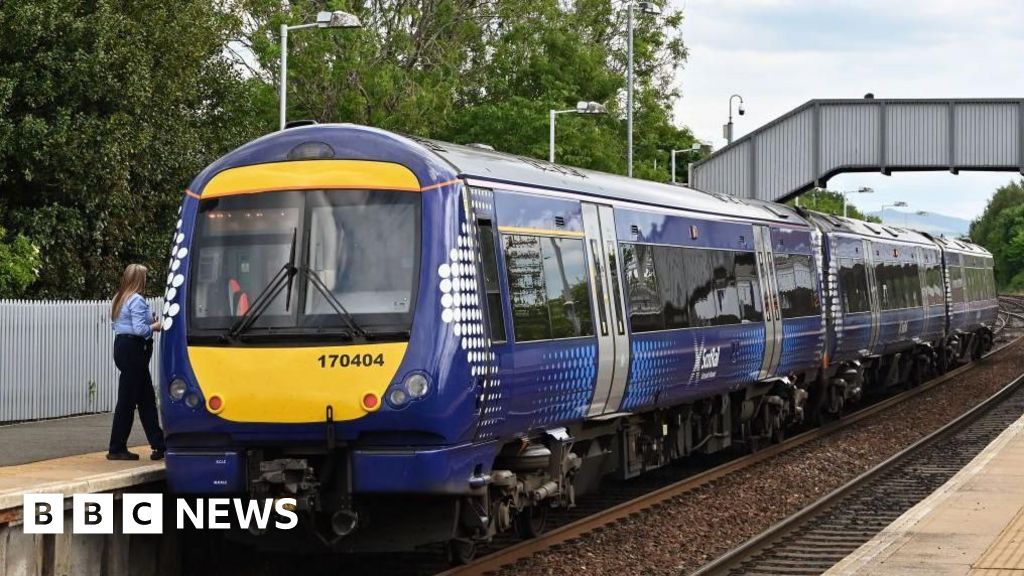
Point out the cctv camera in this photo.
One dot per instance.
(742, 111)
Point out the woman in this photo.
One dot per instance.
(134, 325)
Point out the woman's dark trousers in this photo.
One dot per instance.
(134, 389)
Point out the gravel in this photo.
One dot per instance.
(691, 530)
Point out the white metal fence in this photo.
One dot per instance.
(56, 358)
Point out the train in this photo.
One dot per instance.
(421, 342)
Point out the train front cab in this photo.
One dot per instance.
(324, 336)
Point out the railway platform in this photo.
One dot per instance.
(973, 525)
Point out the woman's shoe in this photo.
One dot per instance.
(122, 456)
(157, 455)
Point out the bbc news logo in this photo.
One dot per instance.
(144, 513)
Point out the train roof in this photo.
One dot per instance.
(831, 223)
(476, 161)
(961, 246)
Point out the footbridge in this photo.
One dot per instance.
(805, 147)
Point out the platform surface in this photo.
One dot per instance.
(72, 475)
(973, 525)
(49, 439)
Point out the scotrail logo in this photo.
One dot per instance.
(705, 361)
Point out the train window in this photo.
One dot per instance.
(956, 283)
(797, 294)
(913, 284)
(548, 289)
(698, 277)
(595, 262)
(616, 289)
(674, 283)
(524, 264)
(853, 285)
(568, 293)
(726, 298)
(489, 256)
(643, 295)
(748, 287)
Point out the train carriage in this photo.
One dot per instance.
(971, 298)
(427, 342)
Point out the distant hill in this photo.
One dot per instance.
(936, 224)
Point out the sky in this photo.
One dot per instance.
(778, 54)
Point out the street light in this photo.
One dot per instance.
(695, 147)
(581, 108)
(897, 204)
(727, 129)
(861, 190)
(644, 8)
(336, 19)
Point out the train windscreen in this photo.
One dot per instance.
(316, 263)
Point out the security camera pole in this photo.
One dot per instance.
(727, 129)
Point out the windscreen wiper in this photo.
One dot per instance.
(280, 280)
(322, 288)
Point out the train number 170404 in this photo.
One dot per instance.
(347, 360)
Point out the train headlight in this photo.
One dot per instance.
(417, 386)
(398, 397)
(193, 400)
(177, 389)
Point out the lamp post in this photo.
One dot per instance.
(336, 19)
(727, 129)
(918, 213)
(645, 8)
(694, 148)
(581, 108)
(861, 190)
(897, 204)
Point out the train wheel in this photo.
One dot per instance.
(460, 551)
(530, 521)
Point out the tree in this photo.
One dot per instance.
(829, 202)
(19, 265)
(484, 71)
(1000, 229)
(107, 110)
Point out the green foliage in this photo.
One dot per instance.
(19, 265)
(470, 71)
(829, 202)
(107, 110)
(1000, 229)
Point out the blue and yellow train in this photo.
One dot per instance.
(427, 342)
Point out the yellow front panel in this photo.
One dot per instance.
(293, 385)
(312, 175)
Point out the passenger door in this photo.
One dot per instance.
(609, 309)
(873, 294)
(770, 298)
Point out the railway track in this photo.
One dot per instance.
(508, 554)
(819, 536)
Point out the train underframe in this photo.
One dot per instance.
(551, 468)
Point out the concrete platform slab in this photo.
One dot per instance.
(48, 439)
(973, 525)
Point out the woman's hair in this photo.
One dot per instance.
(132, 282)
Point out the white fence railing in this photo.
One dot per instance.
(56, 358)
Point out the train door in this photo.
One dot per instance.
(922, 278)
(873, 296)
(770, 298)
(606, 293)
